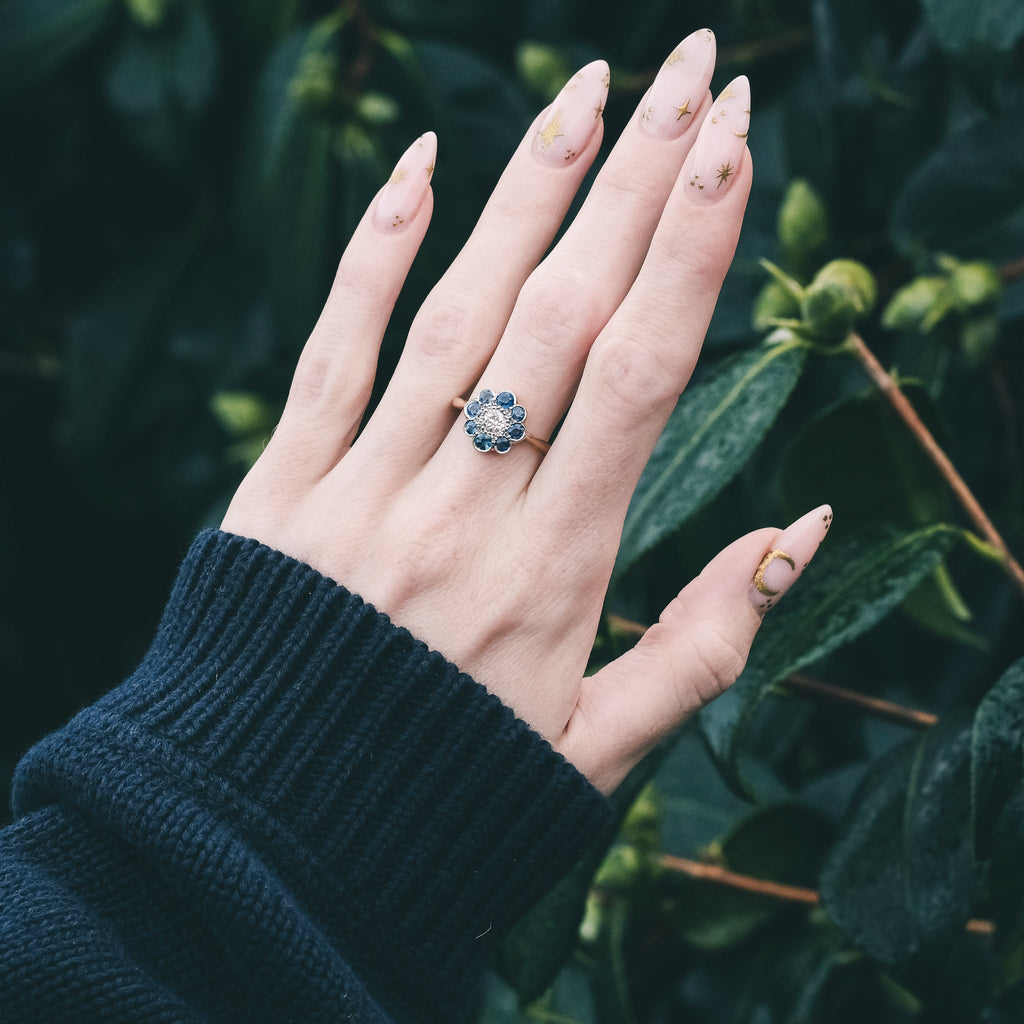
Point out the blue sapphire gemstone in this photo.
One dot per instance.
(517, 431)
(473, 408)
(502, 445)
(486, 397)
(469, 427)
(518, 413)
(506, 399)
(482, 442)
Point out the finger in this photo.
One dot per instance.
(460, 322)
(335, 371)
(641, 362)
(571, 296)
(692, 654)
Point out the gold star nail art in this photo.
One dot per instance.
(396, 176)
(684, 109)
(674, 57)
(723, 174)
(550, 132)
(598, 110)
(430, 169)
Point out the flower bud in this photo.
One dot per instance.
(802, 223)
(918, 306)
(841, 293)
(974, 284)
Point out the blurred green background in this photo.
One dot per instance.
(178, 180)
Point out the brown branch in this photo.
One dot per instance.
(1011, 271)
(789, 893)
(899, 401)
(875, 706)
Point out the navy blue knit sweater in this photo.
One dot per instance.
(292, 811)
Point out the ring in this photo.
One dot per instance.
(495, 422)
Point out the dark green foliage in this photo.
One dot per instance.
(179, 178)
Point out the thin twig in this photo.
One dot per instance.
(875, 706)
(790, 893)
(899, 401)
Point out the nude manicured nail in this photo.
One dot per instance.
(406, 189)
(573, 117)
(781, 566)
(719, 147)
(678, 90)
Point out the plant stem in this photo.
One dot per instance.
(899, 401)
(790, 893)
(874, 706)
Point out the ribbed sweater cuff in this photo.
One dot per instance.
(407, 809)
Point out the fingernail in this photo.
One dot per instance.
(573, 117)
(403, 195)
(719, 147)
(781, 567)
(675, 95)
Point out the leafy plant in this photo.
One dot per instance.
(839, 837)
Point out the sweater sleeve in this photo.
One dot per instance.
(292, 810)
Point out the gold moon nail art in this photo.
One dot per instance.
(765, 562)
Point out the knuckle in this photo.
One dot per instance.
(557, 308)
(633, 373)
(444, 328)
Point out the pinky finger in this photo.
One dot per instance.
(692, 654)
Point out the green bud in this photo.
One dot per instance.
(974, 284)
(918, 306)
(774, 302)
(978, 337)
(620, 868)
(828, 312)
(148, 13)
(541, 68)
(841, 293)
(241, 413)
(376, 108)
(802, 223)
(314, 85)
(854, 278)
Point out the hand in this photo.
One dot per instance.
(501, 561)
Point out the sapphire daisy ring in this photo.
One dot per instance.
(495, 422)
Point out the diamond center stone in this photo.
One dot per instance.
(492, 420)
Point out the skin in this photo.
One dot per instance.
(605, 330)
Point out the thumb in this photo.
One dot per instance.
(693, 653)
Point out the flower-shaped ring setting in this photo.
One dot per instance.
(495, 421)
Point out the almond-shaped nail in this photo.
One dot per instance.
(403, 195)
(573, 117)
(719, 147)
(781, 566)
(679, 88)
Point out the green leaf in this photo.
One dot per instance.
(960, 27)
(935, 211)
(936, 604)
(902, 878)
(708, 439)
(37, 36)
(860, 453)
(286, 194)
(849, 588)
(160, 81)
(997, 762)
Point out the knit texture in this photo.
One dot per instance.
(293, 810)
